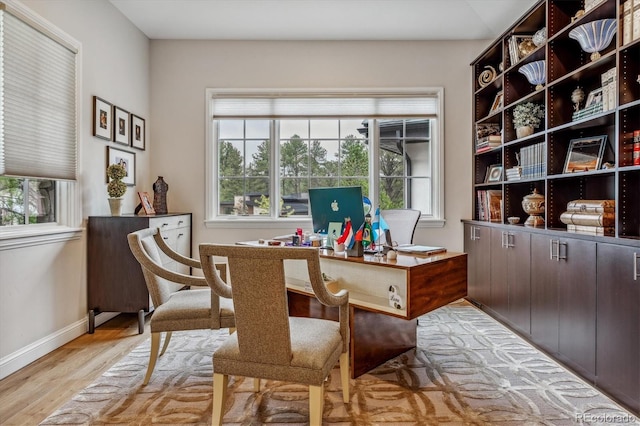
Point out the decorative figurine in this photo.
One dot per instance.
(577, 97)
(160, 188)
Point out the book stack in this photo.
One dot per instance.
(488, 136)
(630, 21)
(514, 173)
(591, 217)
(490, 205)
(587, 111)
(609, 89)
(533, 161)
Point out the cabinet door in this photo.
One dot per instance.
(518, 247)
(477, 245)
(544, 295)
(618, 323)
(577, 305)
(499, 281)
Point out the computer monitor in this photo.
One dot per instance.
(334, 205)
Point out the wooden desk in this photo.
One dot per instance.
(380, 332)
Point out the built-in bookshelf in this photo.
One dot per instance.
(609, 112)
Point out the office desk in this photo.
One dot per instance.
(380, 332)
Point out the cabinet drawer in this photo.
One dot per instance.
(170, 222)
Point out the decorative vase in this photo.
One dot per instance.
(533, 205)
(540, 37)
(594, 36)
(523, 131)
(115, 204)
(535, 73)
(160, 188)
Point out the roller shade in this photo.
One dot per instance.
(280, 106)
(38, 135)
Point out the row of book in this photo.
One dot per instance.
(490, 205)
(533, 160)
(592, 217)
(630, 21)
(609, 89)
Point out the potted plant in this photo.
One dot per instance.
(526, 117)
(116, 187)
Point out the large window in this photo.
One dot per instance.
(27, 201)
(264, 151)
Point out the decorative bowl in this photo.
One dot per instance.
(513, 219)
(594, 36)
(535, 73)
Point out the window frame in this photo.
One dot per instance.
(213, 220)
(68, 201)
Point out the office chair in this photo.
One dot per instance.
(402, 225)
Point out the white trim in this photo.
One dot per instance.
(33, 235)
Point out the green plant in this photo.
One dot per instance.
(528, 114)
(116, 187)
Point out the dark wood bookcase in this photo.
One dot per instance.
(558, 289)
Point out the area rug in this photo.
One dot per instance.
(467, 370)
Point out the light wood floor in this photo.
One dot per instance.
(28, 396)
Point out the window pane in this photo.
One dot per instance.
(231, 159)
(323, 129)
(257, 129)
(38, 206)
(257, 158)
(295, 197)
(289, 128)
(352, 128)
(231, 129)
(354, 158)
(324, 158)
(294, 157)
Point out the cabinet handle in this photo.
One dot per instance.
(180, 235)
(565, 245)
(510, 243)
(551, 244)
(475, 233)
(165, 224)
(180, 222)
(505, 240)
(636, 273)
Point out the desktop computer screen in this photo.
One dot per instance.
(329, 205)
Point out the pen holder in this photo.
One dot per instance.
(356, 250)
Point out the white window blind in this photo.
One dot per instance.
(229, 105)
(38, 135)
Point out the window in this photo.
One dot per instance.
(387, 143)
(38, 122)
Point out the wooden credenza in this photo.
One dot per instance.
(114, 278)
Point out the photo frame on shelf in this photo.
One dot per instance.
(594, 98)
(494, 173)
(126, 159)
(102, 118)
(585, 154)
(147, 203)
(497, 103)
(138, 138)
(121, 126)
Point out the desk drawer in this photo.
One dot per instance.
(170, 222)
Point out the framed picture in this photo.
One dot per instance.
(137, 132)
(102, 118)
(147, 205)
(594, 98)
(585, 154)
(497, 103)
(494, 173)
(121, 125)
(126, 159)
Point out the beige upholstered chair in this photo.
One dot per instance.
(176, 308)
(268, 344)
(402, 224)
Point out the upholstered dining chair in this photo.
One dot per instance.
(177, 306)
(402, 224)
(268, 343)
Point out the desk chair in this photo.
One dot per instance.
(268, 344)
(402, 225)
(176, 308)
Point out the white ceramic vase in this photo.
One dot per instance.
(115, 204)
(523, 131)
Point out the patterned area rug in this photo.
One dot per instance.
(467, 370)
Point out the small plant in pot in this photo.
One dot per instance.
(116, 187)
(527, 117)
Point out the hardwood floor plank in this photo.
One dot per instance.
(29, 395)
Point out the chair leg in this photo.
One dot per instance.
(153, 356)
(344, 375)
(316, 403)
(256, 385)
(220, 382)
(167, 339)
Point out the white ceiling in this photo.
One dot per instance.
(323, 19)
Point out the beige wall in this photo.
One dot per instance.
(43, 296)
(182, 70)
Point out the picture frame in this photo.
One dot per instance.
(585, 154)
(497, 102)
(127, 159)
(102, 118)
(595, 97)
(494, 173)
(121, 127)
(138, 135)
(146, 203)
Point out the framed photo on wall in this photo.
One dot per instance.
(121, 125)
(585, 154)
(102, 118)
(126, 159)
(137, 132)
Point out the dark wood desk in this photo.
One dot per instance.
(380, 332)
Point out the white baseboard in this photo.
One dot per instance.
(26, 355)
